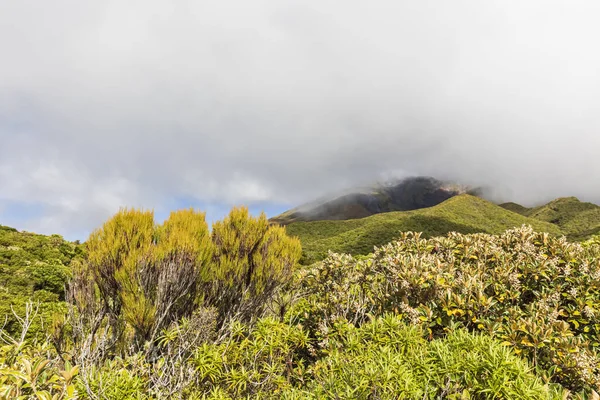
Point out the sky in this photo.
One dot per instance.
(271, 103)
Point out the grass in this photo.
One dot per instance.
(577, 220)
(464, 213)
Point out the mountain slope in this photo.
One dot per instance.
(463, 213)
(407, 194)
(578, 220)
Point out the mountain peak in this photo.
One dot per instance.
(399, 195)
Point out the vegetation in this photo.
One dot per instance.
(180, 311)
(537, 294)
(384, 358)
(33, 267)
(576, 219)
(464, 213)
(145, 277)
(252, 260)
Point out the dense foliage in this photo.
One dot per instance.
(383, 359)
(180, 311)
(537, 294)
(33, 266)
(139, 277)
(252, 259)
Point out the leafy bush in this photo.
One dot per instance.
(32, 369)
(382, 359)
(386, 359)
(115, 379)
(252, 260)
(267, 359)
(149, 276)
(539, 295)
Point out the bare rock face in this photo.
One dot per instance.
(407, 194)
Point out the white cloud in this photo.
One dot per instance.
(106, 104)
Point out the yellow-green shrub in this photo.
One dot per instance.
(252, 260)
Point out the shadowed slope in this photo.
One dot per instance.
(407, 194)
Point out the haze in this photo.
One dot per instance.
(169, 104)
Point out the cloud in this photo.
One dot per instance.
(107, 104)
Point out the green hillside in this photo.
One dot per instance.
(32, 267)
(578, 220)
(509, 316)
(514, 207)
(464, 213)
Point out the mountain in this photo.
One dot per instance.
(404, 195)
(578, 220)
(462, 213)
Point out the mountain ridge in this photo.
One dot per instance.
(462, 213)
(577, 219)
(403, 195)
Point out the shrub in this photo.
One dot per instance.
(148, 276)
(252, 260)
(386, 359)
(29, 368)
(539, 295)
(382, 359)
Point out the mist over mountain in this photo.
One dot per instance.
(162, 105)
(396, 195)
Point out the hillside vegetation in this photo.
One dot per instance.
(180, 311)
(478, 316)
(33, 267)
(463, 213)
(577, 220)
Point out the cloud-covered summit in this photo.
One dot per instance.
(144, 103)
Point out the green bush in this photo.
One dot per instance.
(539, 295)
(115, 380)
(382, 359)
(30, 368)
(252, 260)
(386, 359)
(510, 316)
(139, 277)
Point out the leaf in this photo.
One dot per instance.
(43, 395)
(17, 374)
